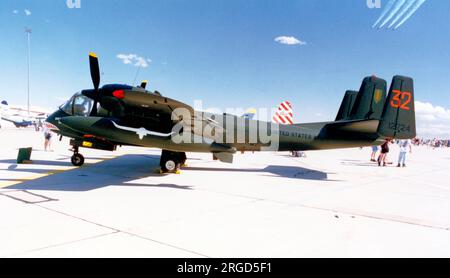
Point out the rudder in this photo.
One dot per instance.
(399, 120)
(347, 105)
(370, 100)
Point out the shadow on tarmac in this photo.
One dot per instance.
(36, 162)
(128, 169)
(294, 172)
(122, 171)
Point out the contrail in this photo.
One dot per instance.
(385, 11)
(411, 12)
(402, 11)
(394, 10)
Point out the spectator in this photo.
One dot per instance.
(374, 153)
(384, 152)
(48, 139)
(404, 146)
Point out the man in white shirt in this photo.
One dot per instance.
(405, 145)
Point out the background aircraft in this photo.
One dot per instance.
(103, 118)
(19, 117)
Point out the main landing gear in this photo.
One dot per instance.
(77, 158)
(171, 162)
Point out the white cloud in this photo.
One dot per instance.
(289, 40)
(27, 12)
(15, 12)
(432, 121)
(135, 60)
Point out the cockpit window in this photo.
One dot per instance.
(78, 105)
(67, 107)
(82, 106)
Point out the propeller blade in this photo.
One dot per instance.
(95, 70)
(92, 94)
(144, 84)
(94, 111)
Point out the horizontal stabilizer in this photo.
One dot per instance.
(364, 126)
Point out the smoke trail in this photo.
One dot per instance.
(402, 11)
(394, 10)
(385, 11)
(416, 6)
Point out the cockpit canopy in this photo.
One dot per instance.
(78, 105)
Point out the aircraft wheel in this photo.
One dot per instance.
(171, 165)
(170, 162)
(77, 160)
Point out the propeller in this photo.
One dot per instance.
(95, 70)
(95, 75)
(108, 96)
(144, 84)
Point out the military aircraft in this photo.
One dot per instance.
(115, 115)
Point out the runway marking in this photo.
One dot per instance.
(122, 231)
(64, 243)
(337, 210)
(6, 184)
(22, 195)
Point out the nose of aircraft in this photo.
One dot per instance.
(54, 118)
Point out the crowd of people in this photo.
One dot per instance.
(405, 148)
(432, 143)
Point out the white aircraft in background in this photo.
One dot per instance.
(19, 116)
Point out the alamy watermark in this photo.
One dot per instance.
(374, 4)
(195, 127)
(73, 4)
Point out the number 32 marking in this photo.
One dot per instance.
(401, 100)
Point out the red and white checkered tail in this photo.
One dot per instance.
(284, 114)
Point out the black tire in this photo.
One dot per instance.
(182, 158)
(77, 160)
(170, 162)
(170, 165)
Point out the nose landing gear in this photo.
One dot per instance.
(77, 159)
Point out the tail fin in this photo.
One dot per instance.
(347, 105)
(399, 119)
(370, 100)
(284, 115)
(4, 103)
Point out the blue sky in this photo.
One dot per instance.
(223, 51)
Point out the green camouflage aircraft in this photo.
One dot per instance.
(115, 115)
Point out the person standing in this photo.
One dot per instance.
(374, 153)
(384, 152)
(48, 138)
(405, 145)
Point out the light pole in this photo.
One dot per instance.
(137, 74)
(28, 31)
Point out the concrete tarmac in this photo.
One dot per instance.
(329, 204)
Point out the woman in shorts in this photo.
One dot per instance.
(48, 138)
(384, 152)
